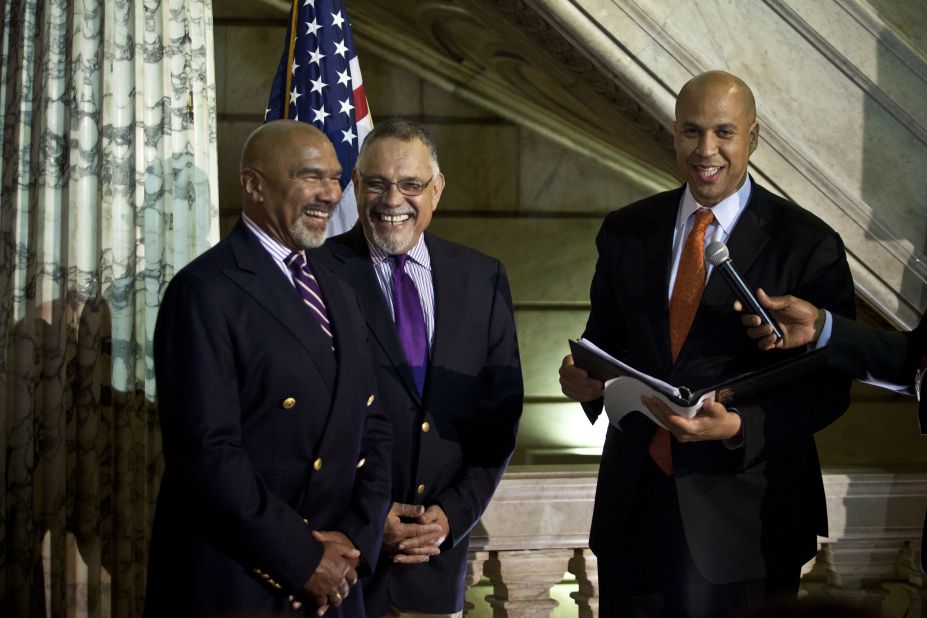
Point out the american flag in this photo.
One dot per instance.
(319, 81)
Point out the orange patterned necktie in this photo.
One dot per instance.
(687, 294)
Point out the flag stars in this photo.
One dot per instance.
(337, 19)
(318, 85)
(309, 3)
(320, 115)
(294, 96)
(346, 106)
(340, 48)
(312, 27)
(344, 77)
(293, 68)
(348, 136)
(315, 56)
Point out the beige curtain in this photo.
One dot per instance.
(108, 175)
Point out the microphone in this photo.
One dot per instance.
(717, 255)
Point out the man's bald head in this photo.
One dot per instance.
(713, 85)
(270, 142)
(714, 133)
(290, 180)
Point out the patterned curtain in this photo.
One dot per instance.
(108, 175)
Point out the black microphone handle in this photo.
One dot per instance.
(745, 296)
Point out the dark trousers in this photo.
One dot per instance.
(655, 575)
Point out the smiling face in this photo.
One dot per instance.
(392, 221)
(715, 132)
(290, 177)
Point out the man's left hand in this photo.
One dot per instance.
(336, 536)
(712, 422)
(426, 544)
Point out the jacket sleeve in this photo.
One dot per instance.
(499, 407)
(197, 376)
(863, 351)
(601, 327)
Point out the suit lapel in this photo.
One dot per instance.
(748, 240)
(257, 275)
(451, 286)
(657, 262)
(350, 260)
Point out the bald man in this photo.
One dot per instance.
(717, 515)
(276, 482)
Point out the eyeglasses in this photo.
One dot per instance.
(409, 187)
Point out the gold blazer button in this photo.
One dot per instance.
(426, 426)
(421, 488)
(361, 462)
(370, 400)
(317, 464)
(288, 403)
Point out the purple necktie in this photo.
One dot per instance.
(309, 289)
(410, 321)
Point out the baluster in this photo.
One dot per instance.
(584, 566)
(909, 568)
(522, 581)
(856, 569)
(474, 572)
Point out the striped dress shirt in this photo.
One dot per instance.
(419, 268)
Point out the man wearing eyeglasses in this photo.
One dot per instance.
(443, 339)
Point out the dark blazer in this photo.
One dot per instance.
(885, 355)
(267, 434)
(471, 403)
(740, 508)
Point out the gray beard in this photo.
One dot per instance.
(305, 238)
(392, 245)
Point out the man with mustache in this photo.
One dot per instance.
(443, 340)
(276, 449)
(717, 515)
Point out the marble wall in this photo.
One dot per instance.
(537, 206)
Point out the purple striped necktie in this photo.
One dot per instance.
(309, 289)
(410, 320)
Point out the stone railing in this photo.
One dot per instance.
(537, 526)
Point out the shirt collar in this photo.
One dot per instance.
(726, 212)
(418, 254)
(271, 244)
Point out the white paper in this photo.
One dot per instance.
(623, 395)
(658, 385)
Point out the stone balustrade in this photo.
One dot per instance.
(537, 525)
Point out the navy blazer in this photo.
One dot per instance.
(267, 435)
(740, 508)
(453, 443)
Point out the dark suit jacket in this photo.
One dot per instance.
(266, 437)
(890, 356)
(472, 402)
(740, 508)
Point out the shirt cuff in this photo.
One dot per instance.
(824, 337)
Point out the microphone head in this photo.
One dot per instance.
(716, 253)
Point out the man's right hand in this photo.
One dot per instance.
(576, 383)
(800, 321)
(396, 531)
(335, 574)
